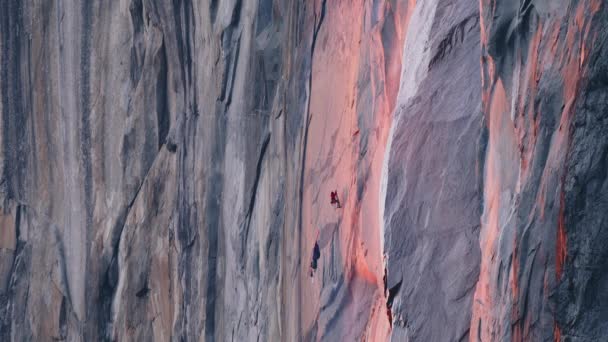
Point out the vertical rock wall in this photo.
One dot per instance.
(520, 176)
(539, 62)
(433, 172)
(165, 170)
(143, 168)
(354, 83)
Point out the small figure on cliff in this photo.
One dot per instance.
(334, 199)
(316, 254)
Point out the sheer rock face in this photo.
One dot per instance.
(542, 251)
(143, 169)
(166, 169)
(355, 79)
(521, 176)
(433, 174)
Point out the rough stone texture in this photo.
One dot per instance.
(433, 175)
(355, 78)
(136, 139)
(539, 270)
(165, 169)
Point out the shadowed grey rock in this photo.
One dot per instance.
(433, 198)
(165, 170)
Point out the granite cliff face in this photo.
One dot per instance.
(166, 169)
(543, 254)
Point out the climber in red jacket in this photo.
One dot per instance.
(334, 199)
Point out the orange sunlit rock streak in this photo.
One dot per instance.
(569, 55)
(333, 157)
(334, 67)
(560, 253)
(577, 43)
(501, 145)
(379, 326)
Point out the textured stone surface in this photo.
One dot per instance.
(539, 62)
(433, 175)
(166, 168)
(137, 137)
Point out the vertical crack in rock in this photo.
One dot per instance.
(254, 191)
(495, 193)
(111, 274)
(80, 291)
(4, 88)
(215, 187)
(85, 92)
(184, 23)
(136, 14)
(11, 87)
(163, 116)
(307, 118)
(230, 56)
(213, 219)
(316, 28)
(392, 293)
(61, 246)
(213, 7)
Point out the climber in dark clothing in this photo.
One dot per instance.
(316, 254)
(334, 199)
